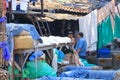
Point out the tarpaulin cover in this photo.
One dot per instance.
(58, 78)
(117, 27)
(64, 78)
(105, 34)
(40, 69)
(90, 74)
(69, 68)
(102, 74)
(60, 55)
(75, 74)
(35, 55)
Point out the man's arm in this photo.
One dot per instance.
(78, 50)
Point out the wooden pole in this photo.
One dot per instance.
(2, 34)
(42, 8)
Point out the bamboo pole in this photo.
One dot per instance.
(2, 38)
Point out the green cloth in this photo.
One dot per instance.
(105, 33)
(117, 26)
(39, 70)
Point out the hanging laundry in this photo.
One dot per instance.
(24, 5)
(6, 52)
(14, 4)
(88, 25)
(4, 2)
(105, 33)
(54, 61)
(117, 26)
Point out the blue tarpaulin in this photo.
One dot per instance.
(102, 74)
(75, 74)
(69, 68)
(90, 74)
(36, 54)
(64, 78)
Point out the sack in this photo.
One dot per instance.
(40, 69)
(24, 33)
(23, 42)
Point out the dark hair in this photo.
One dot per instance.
(81, 34)
(70, 32)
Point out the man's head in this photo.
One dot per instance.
(80, 35)
(70, 34)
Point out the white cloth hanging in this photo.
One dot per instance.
(54, 61)
(24, 5)
(14, 4)
(88, 25)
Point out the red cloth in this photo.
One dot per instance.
(4, 2)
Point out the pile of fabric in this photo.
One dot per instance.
(54, 40)
(21, 34)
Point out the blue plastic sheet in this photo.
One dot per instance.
(75, 74)
(35, 55)
(60, 55)
(64, 78)
(16, 29)
(6, 53)
(69, 68)
(90, 74)
(102, 74)
(57, 78)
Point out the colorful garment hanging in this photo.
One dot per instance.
(6, 53)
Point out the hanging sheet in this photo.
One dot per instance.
(88, 25)
(24, 5)
(105, 34)
(117, 27)
(14, 4)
